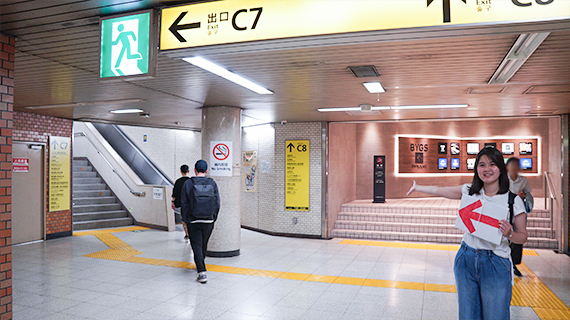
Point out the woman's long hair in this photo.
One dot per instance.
(495, 156)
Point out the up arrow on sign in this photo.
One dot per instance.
(446, 9)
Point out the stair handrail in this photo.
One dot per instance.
(549, 194)
(136, 193)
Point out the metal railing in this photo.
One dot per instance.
(549, 194)
(136, 193)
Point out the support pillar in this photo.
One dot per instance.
(224, 124)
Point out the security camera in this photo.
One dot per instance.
(283, 122)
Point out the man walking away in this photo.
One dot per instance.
(200, 207)
(176, 197)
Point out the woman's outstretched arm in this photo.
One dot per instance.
(447, 192)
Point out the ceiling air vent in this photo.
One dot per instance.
(548, 88)
(364, 113)
(486, 90)
(541, 112)
(364, 71)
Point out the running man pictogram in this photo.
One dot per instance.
(123, 38)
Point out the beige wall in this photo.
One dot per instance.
(342, 168)
(379, 139)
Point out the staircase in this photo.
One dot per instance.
(94, 205)
(424, 220)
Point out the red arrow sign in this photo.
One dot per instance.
(467, 215)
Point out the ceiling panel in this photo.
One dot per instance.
(58, 51)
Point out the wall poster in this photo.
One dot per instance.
(249, 171)
(59, 173)
(297, 170)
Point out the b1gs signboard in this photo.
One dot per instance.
(233, 21)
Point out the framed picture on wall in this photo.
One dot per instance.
(525, 148)
(454, 164)
(526, 163)
(454, 148)
(508, 148)
(471, 164)
(442, 147)
(472, 148)
(442, 163)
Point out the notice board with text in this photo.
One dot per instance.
(297, 172)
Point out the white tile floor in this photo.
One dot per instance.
(52, 280)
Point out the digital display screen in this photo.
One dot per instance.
(472, 148)
(454, 163)
(454, 147)
(471, 164)
(526, 163)
(442, 147)
(525, 148)
(490, 145)
(442, 163)
(508, 148)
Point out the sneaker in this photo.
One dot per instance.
(517, 272)
(202, 278)
(186, 238)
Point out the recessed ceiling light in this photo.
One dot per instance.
(436, 106)
(349, 109)
(472, 108)
(122, 111)
(226, 74)
(374, 87)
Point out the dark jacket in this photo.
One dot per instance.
(177, 190)
(186, 196)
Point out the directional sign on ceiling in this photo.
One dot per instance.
(233, 21)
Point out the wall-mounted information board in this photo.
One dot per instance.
(457, 155)
(297, 170)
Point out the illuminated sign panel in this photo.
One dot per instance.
(127, 46)
(232, 21)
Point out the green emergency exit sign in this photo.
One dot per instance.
(126, 46)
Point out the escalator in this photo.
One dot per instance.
(147, 171)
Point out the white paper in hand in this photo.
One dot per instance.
(481, 218)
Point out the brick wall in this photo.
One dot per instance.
(268, 204)
(30, 127)
(6, 105)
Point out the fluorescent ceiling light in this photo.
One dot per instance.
(523, 48)
(121, 111)
(349, 109)
(374, 87)
(436, 106)
(226, 74)
(86, 104)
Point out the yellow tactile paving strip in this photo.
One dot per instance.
(528, 291)
(407, 245)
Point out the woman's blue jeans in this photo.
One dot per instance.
(484, 284)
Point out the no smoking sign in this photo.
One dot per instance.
(220, 158)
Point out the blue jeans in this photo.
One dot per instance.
(483, 282)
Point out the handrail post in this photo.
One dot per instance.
(551, 219)
(545, 190)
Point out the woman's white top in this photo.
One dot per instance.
(503, 250)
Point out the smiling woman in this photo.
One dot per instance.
(483, 269)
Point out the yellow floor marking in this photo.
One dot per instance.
(103, 231)
(410, 245)
(528, 291)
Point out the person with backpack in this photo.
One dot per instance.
(200, 202)
(483, 270)
(176, 195)
(519, 185)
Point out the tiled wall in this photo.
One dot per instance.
(30, 127)
(6, 105)
(167, 148)
(266, 209)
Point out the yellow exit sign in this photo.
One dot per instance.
(233, 21)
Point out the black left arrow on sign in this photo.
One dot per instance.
(446, 9)
(175, 27)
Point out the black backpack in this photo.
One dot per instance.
(516, 249)
(203, 200)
